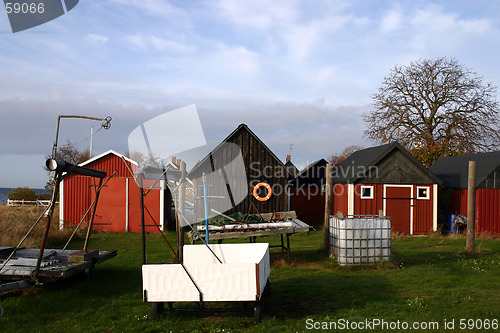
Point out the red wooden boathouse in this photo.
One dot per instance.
(388, 178)
(118, 207)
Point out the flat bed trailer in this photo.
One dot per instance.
(56, 265)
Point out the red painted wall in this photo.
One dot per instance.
(340, 198)
(487, 208)
(79, 192)
(422, 210)
(368, 206)
(309, 204)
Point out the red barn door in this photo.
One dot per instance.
(397, 202)
(111, 210)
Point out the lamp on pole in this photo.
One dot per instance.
(105, 123)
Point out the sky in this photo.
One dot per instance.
(300, 74)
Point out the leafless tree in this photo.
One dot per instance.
(435, 108)
(68, 153)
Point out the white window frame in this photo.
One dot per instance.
(428, 195)
(371, 196)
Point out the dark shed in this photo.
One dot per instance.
(260, 165)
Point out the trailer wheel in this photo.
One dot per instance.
(257, 312)
(156, 309)
(87, 274)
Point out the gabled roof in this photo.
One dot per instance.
(241, 127)
(454, 170)
(112, 152)
(306, 171)
(368, 158)
(292, 169)
(314, 173)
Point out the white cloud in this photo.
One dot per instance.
(434, 29)
(238, 59)
(433, 19)
(325, 75)
(153, 7)
(98, 39)
(155, 43)
(391, 20)
(260, 14)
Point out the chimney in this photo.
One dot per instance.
(179, 161)
(288, 158)
(174, 160)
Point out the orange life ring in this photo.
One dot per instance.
(269, 191)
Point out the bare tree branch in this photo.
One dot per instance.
(435, 107)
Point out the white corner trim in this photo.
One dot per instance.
(350, 199)
(61, 205)
(434, 207)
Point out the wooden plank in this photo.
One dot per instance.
(14, 285)
(83, 256)
(5, 251)
(279, 215)
(261, 233)
(73, 269)
(30, 262)
(106, 255)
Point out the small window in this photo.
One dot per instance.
(423, 192)
(366, 192)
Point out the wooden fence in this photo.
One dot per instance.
(17, 203)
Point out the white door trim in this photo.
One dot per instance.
(126, 204)
(162, 204)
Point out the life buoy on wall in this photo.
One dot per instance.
(256, 189)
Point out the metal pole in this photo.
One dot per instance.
(105, 122)
(328, 206)
(92, 216)
(206, 209)
(182, 203)
(471, 208)
(54, 147)
(143, 227)
(49, 213)
(91, 137)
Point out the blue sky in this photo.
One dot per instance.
(297, 72)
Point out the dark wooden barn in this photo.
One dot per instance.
(232, 171)
(307, 195)
(292, 169)
(388, 178)
(453, 171)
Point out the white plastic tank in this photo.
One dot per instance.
(359, 240)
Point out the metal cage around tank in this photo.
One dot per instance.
(359, 240)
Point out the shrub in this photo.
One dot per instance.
(23, 193)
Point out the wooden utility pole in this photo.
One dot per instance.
(328, 206)
(471, 209)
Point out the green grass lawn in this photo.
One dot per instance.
(430, 279)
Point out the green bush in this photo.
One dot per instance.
(22, 193)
